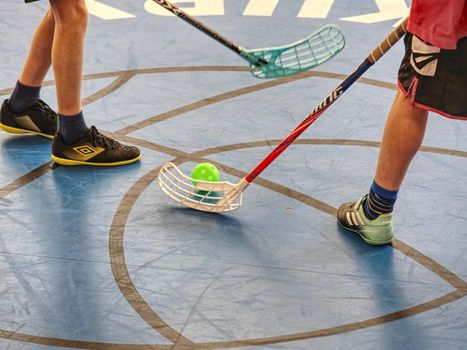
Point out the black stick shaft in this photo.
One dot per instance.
(197, 24)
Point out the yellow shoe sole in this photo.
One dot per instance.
(71, 162)
(12, 130)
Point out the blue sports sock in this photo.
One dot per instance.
(72, 127)
(379, 201)
(23, 97)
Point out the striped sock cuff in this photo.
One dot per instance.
(379, 201)
(382, 192)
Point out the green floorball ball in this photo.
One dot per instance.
(205, 172)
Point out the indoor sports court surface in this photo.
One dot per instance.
(102, 259)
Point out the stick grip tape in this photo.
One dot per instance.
(388, 42)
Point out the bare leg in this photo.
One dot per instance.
(39, 57)
(371, 216)
(403, 136)
(67, 52)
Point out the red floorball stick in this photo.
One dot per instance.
(225, 196)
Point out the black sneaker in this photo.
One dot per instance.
(40, 119)
(93, 148)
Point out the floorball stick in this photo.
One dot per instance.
(279, 61)
(225, 196)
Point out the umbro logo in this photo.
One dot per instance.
(85, 150)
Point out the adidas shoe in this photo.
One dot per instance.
(40, 119)
(351, 216)
(93, 148)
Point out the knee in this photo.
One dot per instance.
(70, 13)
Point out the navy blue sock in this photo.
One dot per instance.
(23, 97)
(379, 201)
(72, 127)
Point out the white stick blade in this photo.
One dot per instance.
(215, 197)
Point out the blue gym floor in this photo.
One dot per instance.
(102, 259)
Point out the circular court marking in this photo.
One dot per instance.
(117, 229)
(130, 292)
(123, 278)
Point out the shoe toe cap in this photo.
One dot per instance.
(133, 152)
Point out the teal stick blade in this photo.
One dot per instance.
(297, 57)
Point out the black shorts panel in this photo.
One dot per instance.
(435, 79)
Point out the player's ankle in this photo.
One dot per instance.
(379, 201)
(71, 128)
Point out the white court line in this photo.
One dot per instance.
(106, 12)
(388, 10)
(260, 8)
(315, 8)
